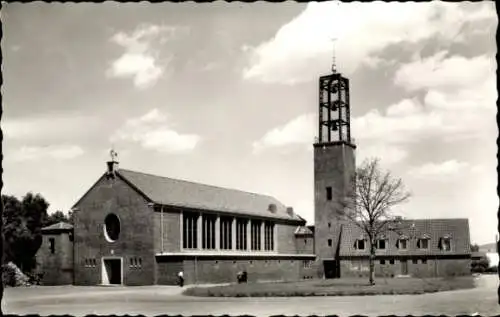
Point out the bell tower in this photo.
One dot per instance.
(334, 167)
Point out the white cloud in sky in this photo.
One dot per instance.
(140, 61)
(56, 152)
(48, 127)
(302, 48)
(453, 107)
(152, 131)
(441, 72)
(440, 170)
(299, 130)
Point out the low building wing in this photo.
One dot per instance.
(422, 236)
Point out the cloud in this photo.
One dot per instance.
(439, 170)
(140, 61)
(449, 73)
(388, 154)
(52, 127)
(455, 106)
(151, 131)
(302, 48)
(299, 130)
(56, 152)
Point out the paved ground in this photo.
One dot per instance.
(156, 300)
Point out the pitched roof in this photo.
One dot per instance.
(303, 230)
(433, 229)
(181, 193)
(63, 226)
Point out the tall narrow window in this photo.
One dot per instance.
(52, 242)
(226, 233)
(381, 244)
(423, 243)
(403, 244)
(329, 242)
(269, 236)
(241, 234)
(208, 232)
(190, 231)
(255, 234)
(329, 195)
(446, 244)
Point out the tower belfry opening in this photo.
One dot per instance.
(334, 108)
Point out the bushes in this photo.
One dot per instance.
(479, 266)
(12, 276)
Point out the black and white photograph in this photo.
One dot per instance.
(262, 159)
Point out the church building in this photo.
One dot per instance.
(133, 228)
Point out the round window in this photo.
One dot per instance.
(112, 227)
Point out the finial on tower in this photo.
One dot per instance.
(113, 155)
(334, 61)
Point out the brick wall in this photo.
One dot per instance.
(432, 268)
(57, 268)
(285, 235)
(171, 230)
(224, 270)
(333, 167)
(304, 244)
(135, 240)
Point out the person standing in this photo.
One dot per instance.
(180, 276)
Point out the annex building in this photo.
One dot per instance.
(133, 228)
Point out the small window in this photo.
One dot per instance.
(446, 245)
(381, 244)
(382, 262)
(415, 261)
(52, 243)
(140, 262)
(424, 261)
(329, 225)
(329, 193)
(329, 242)
(402, 243)
(423, 243)
(360, 244)
(95, 262)
(305, 241)
(391, 261)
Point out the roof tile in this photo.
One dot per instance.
(174, 192)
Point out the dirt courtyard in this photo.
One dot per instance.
(157, 300)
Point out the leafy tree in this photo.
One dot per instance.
(22, 224)
(369, 202)
(474, 247)
(58, 216)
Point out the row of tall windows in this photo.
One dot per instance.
(226, 233)
(255, 234)
(190, 231)
(241, 234)
(268, 236)
(208, 233)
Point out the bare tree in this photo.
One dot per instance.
(369, 202)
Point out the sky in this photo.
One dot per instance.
(226, 94)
